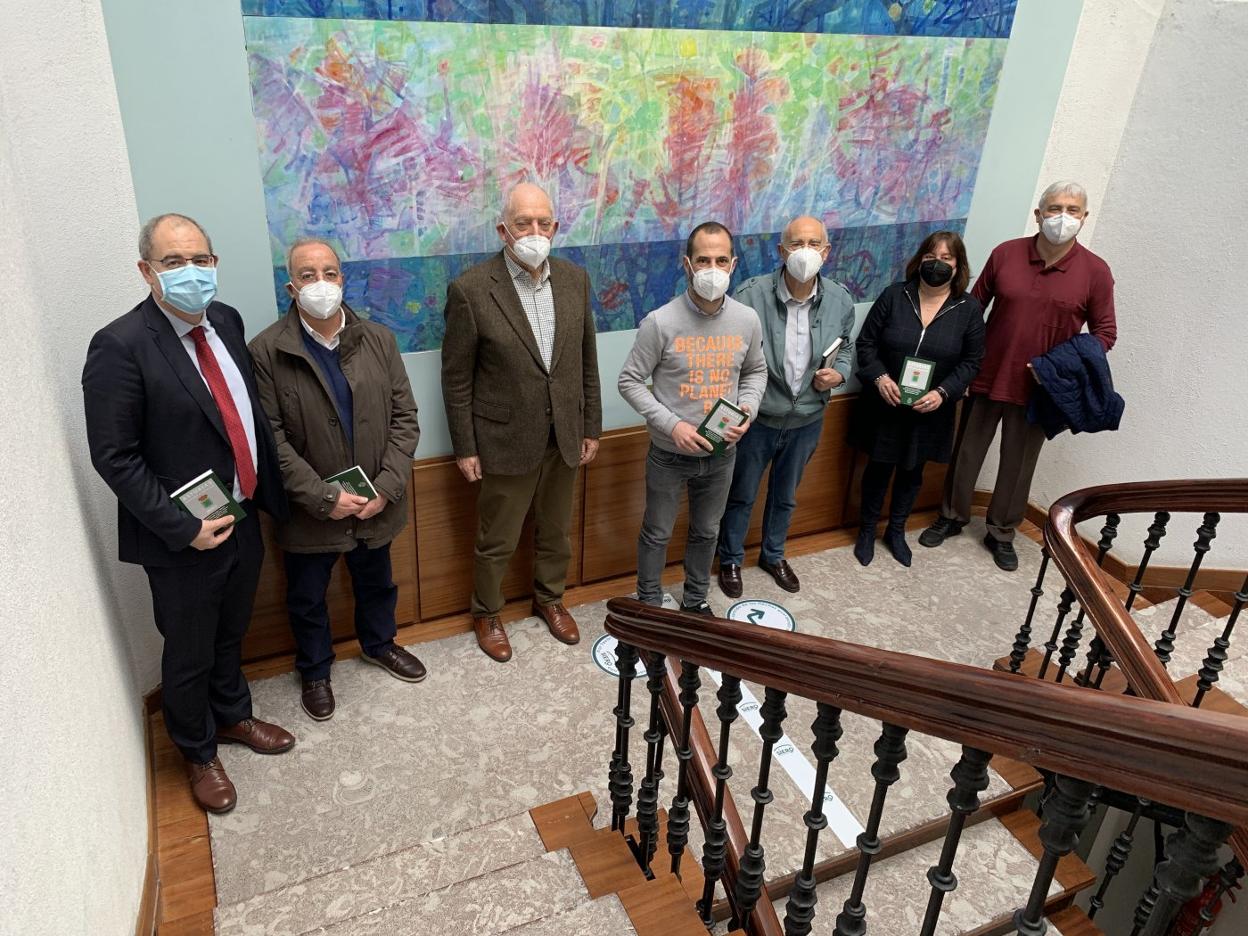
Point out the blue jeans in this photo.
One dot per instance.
(787, 451)
(667, 475)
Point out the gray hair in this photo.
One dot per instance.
(509, 195)
(1064, 188)
(149, 228)
(307, 242)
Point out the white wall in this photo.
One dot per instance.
(1170, 223)
(73, 824)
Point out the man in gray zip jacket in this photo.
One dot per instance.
(802, 315)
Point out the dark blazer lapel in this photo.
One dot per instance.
(504, 293)
(567, 311)
(170, 346)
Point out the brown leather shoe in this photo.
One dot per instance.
(317, 699)
(492, 638)
(399, 663)
(260, 736)
(783, 573)
(559, 621)
(211, 788)
(730, 579)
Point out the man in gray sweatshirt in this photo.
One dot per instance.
(699, 347)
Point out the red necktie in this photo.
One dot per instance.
(229, 412)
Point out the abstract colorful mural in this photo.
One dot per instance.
(395, 136)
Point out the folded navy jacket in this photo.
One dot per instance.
(1076, 389)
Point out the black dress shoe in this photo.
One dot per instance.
(399, 663)
(895, 540)
(939, 531)
(783, 573)
(864, 547)
(730, 579)
(318, 699)
(1003, 554)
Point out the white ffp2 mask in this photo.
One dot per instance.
(320, 299)
(1058, 229)
(803, 263)
(531, 250)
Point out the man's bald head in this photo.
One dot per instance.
(526, 200)
(806, 230)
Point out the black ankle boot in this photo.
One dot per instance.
(895, 540)
(864, 549)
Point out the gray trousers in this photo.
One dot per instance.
(1020, 449)
(667, 475)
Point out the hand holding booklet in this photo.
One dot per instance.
(722, 416)
(207, 498)
(354, 481)
(829, 354)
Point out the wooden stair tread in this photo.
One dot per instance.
(1073, 875)
(661, 908)
(1074, 922)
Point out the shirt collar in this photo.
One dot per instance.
(517, 272)
(697, 310)
(332, 341)
(1033, 254)
(782, 290)
(181, 327)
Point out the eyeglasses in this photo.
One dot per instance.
(176, 263)
(813, 244)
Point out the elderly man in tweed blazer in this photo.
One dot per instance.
(520, 383)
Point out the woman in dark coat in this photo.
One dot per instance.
(932, 317)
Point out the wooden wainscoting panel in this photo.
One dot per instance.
(269, 634)
(446, 526)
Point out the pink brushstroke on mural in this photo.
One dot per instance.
(755, 139)
(691, 123)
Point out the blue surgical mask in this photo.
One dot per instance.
(189, 288)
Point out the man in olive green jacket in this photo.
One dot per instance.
(337, 394)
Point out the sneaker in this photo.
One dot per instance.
(940, 531)
(1003, 554)
(702, 607)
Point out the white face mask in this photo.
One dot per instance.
(320, 299)
(1058, 229)
(803, 263)
(711, 283)
(531, 250)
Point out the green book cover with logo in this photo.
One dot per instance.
(916, 380)
(207, 498)
(722, 415)
(354, 481)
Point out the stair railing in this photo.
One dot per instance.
(1192, 759)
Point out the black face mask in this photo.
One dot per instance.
(935, 272)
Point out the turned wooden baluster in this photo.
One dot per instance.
(753, 862)
(620, 773)
(799, 912)
(678, 816)
(970, 778)
(1164, 646)
(1215, 659)
(1074, 635)
(714, 849)
(648, 792)
(1022, 641)
(1099, 655)
(890, 751)
(1066, 813)
(1191, 857)
(1119, 852)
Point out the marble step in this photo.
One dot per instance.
(378, 883)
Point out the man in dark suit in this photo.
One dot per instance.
(169, 394)
(520, 383)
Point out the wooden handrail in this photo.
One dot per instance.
(1189, 758)
(763, 920)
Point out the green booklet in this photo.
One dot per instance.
(207, 498)
(722, 415)
(916, 379)
(354, 481)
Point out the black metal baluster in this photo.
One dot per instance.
(1023, 639)
(620, 774)
(1065, 815)
(1164, 646)
(890, 751)
(1228, 878)
(1074, 635)
(1215, 659)
(1191, 856)
(678, 816)
(799, 912)
(1064, 605)
(970, 778)
(1144, 909)
(1156, 531)
(753, 863)
(648, 793)
(716, 845)
(1119, 852)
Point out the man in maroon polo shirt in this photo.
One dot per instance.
(1043, 290)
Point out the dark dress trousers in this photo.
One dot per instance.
(153, 425)
(893, 331)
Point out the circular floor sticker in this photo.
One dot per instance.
(762, 613)
(604, 655)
